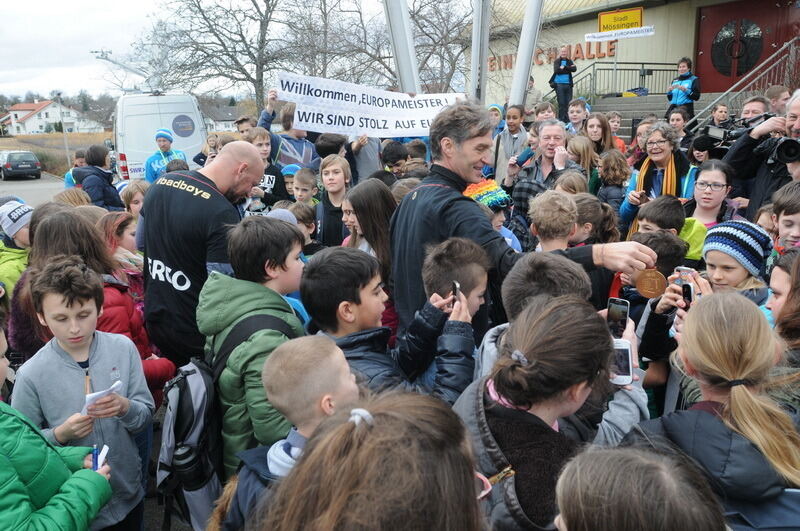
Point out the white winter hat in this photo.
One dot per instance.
(14, 216)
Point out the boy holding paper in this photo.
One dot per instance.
(51, 387)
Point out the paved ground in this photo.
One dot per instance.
(33, 191)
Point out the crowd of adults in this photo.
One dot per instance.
(413, 333)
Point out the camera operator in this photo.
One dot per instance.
(753, 157)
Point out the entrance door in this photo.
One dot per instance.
(733, 38)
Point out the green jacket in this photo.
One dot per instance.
(12, 263)
(248, 420)
(693, 233)
(43, 487)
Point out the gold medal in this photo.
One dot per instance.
(650, 283)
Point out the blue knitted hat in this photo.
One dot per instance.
(290, 169)
(164, 133)
(745, 242)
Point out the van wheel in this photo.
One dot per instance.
(37, 176)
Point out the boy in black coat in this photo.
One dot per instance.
(343, 292)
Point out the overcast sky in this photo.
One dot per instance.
(44, 45)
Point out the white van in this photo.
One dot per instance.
(139, 116)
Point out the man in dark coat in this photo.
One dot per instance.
(752, 157)
(461, 144)
(561, 81)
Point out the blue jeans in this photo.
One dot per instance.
(564, 96)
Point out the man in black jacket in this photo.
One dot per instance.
(461, 144)
(561, 81)
(752, 156)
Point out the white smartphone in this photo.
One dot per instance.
(617, 316)
(622, 364)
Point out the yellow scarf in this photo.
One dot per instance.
(668, 186)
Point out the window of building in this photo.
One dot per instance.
(16, 116)
(47, 115)
(39, 115)
(17, 129)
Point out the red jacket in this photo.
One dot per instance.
(121, 317)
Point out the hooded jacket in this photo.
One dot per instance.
(504, 439)
(248, 419)
(737, 469)
(96, 182)
(50, 387)
(13, 262)
(43, 486)
(380, 368)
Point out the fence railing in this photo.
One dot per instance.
(780, 68)
(607, 77)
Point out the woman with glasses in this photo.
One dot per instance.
(665, 170)
(710, 204)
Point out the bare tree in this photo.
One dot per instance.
(231, 42)
(351, 45)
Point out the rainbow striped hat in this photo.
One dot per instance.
(488, 193)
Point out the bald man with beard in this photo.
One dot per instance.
(185, 237)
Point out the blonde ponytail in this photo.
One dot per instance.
(729, 343)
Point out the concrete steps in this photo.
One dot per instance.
(637, 107)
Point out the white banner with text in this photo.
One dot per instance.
(330, 106)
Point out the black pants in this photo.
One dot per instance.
(688, 106)
(176, 346)
(132, 522)
(564, 95)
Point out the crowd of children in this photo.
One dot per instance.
(428, 339)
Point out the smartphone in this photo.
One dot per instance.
(617, 316)
(622, 364)
(685, 275)
(688, 294)
(456, 291)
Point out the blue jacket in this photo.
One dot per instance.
(254, 478)
(679, 97)
(687, 175)
(430, 338)
(97, 183)
(156, 164)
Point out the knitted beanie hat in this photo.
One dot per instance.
(290, 169)
(499, 109)
(14, 216)
(488, 193)
(164, 133)
(745, 242)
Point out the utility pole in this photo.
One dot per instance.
(63, 128)
(480, 49)
(402, 39)
(527, 44)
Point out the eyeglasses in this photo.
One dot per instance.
(482, 485)
(656, 143)
(703, 185)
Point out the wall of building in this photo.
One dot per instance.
(675, 37)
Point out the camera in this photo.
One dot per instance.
(787, 150)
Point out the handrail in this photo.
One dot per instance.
(755, 73)
(591, 72)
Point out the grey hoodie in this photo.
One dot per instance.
(50, 388)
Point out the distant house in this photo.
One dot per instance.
(219, 118)
(34, 118)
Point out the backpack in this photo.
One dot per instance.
(190, 459)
